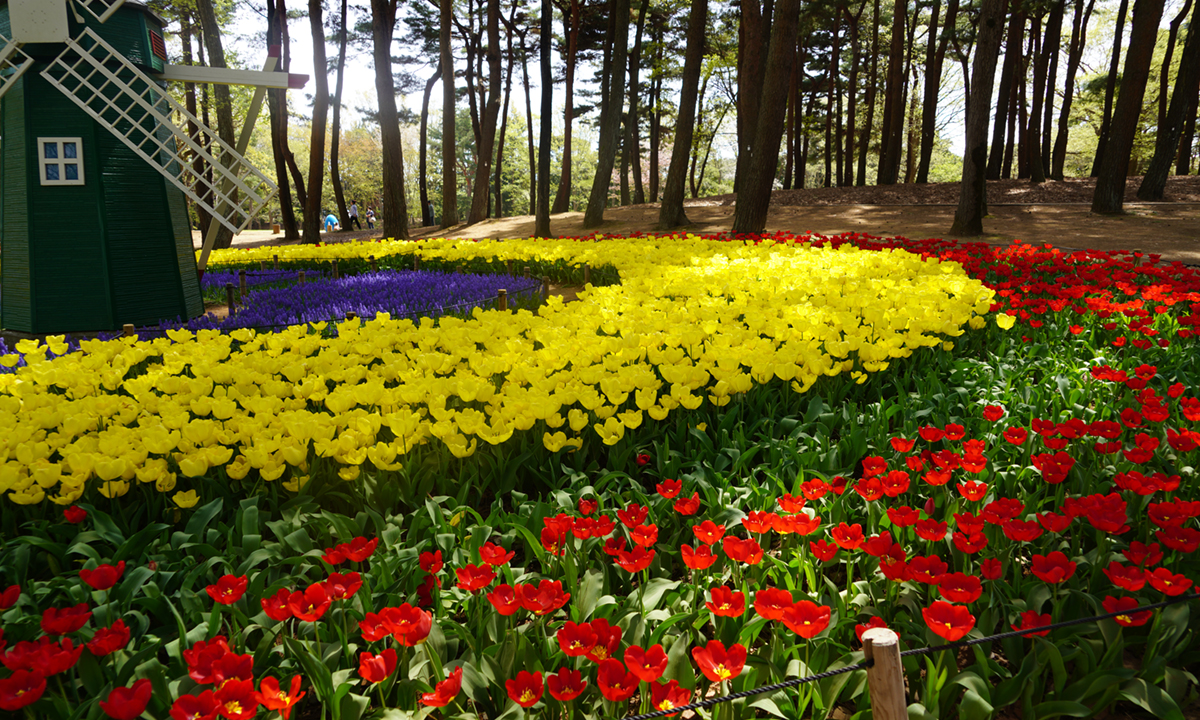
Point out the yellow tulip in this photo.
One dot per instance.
(186, 499)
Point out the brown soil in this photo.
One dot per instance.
(1057, 213)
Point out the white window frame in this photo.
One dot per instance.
(60, 161)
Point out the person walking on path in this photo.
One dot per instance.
(354, 216)
(370, 218)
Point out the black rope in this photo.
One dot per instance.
(1053, 626)
(756, 691)
(920, 651)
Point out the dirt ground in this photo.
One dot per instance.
(1055, 212)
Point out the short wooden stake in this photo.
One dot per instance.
(242, 283)
(587, 274)
(508, 264)
(416, 263)
(502, 299)
(127, 329)
(374, 265)
(262, 264)
(335, 270)
(526, 271)
(276, 262)
(352, 315)
(230, 298)
(300, 277)
(545, 287)
(886, 677)
(460, 270)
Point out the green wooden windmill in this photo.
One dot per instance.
(95, 174)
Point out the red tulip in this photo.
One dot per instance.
(274, 698)
(789, 503)
(615, 683)
(770, 603)
(475, 577)
(237, 700)
(74, 514)
(633, 515)
(874, 622)
(343, 587)
(634, 560)
(1053, 568)
(104, 576)
(62, 621)
(991, 569)
(960, 587)
(726, 602)
(847, 537)
(311, 604)
(409, 625)
(374, 627)
(668, 489)
(576, 640)
(201, 707)
(814, 489)
(1124, 605)
(525, 689)
(972, 490)
(930, 433)
(1031, 619)
(689, 505)
(377, 668)
(21, 689)
(746, 551)
(566, 684)
(547, 597)
(608, 639)
(1016, 435)
(902, 445)
(668, 695)
(504, 598)
(1132, 578)
(1145, 555)
(719, 664)
(110, 639)
(927, 569)
(201, 657)
(359, 549)
(126, 703)
(992, 413)
(1167, 582)
(9, 597)
(644, 535)
(444, 691)
(952, 622)
(276, 606)
(495, 555)
(587, 506)
(431, 562)
(1181, 539)
(903, 516)
(823, 551)
(228, 590)
(758, 522)
(970, 544)
(648, 664)
(806, 618)
(698, 559)
(708, 532)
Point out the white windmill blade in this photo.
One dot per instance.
(136, 110)
(102, 10)
(13, 64)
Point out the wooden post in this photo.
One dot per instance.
(230, 298)
(508, 264)
(587, 273)
(262, 264)
(351, 315)
(502, 299)
(242, 283)
(374, 265)
(460, 270)
(300, 277)
(275, 228)
(886, 677)
(526, 271)
(335, 270)
(545, 287)
(416, 263)
(127, 329)
(276, 262)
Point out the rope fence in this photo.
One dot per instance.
(882, 660)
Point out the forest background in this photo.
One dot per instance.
(875, 93)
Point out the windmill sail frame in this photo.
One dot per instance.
(130, 104)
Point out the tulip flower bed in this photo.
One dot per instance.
(1013, 478)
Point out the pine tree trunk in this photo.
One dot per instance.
(449, 151)
(693, 185)
(1110, 89)
(872, 84)
(1012, 59)
(316, 156)
(935, 53)
(633, 136)
(189, 99)
(224, 104)
(789, 125)
(1187, 85)
(1051, 47)
(545, 138)
(892, 138)
(1183, 165)
(533, 171)
(752, 42)
(491, 111)
(656, 112)
(1074, 54)
(395, 205)
(670, 212)
(277, 104)
(1109, 198)
(335, 133)
(610, 118)
(423, 151)
(852, 93)
(570, 13)
(499, 171)
(1033, 134)
(754, 200)
(831, 74)
(972, 202)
